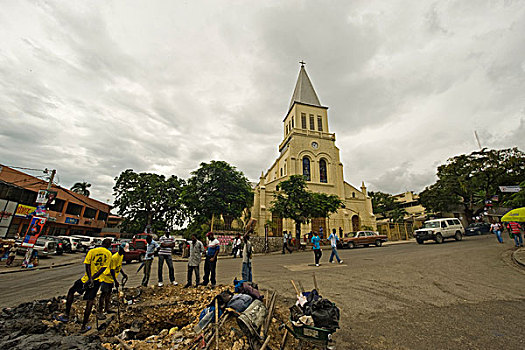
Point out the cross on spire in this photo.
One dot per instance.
(302, 63)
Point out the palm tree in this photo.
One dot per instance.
(81, 188)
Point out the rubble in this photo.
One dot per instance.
(150, 318)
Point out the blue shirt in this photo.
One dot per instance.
(333, 240)
(213, 247)
(315, 241)
(150, 249)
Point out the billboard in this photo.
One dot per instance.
(7, 211)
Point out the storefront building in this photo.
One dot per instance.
(69, 213)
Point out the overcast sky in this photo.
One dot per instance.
(92, 88)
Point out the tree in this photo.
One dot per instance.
(81, 188)
(146, 199)
(216, 189)
(385, 205)
(294, 201)
(468, 180)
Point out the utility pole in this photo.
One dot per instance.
(51, 178)
(477, 139)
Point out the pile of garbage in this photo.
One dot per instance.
(239, 317)
(149, 318)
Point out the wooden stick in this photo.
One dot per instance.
(285, 338)
(295, 287)
(315, 284)
(270, 315)
(300, 286)
(216, 324)
(265, 343)
(123, 343)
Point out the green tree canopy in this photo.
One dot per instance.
(148, 199)
(81, 188)
(294, 201)
(386, 206)
(216, 188)
(468, 180)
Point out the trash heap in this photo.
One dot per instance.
(174, 318)
(156, 318)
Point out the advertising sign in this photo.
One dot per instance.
(71, 220)
(41, 197)
(34, 230)
(509, 189)
(7, 210)
(225, 240)
(24, 210)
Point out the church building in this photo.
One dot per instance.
(308, 148)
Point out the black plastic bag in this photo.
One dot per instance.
(325, 314)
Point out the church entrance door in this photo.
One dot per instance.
(355, 223)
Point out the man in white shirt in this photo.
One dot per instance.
(496, 229)
(333, 242)
(166, 245)
(286, 238)
(210, 262)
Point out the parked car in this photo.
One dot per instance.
(59, 245)
(439, 229)
(43, 246)
(75, 243)
(131, 254)
(477, 228)
(364, 238)
(180, 243)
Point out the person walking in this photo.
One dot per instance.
(236, 246)
(210, 262)
(286, 240)
(333, 242)
(496, 229)
(96, 262)
(166, 245)
(247, 259)
(194, 260)
(109, 279)
(12, 255)
(316, 248)
(515, 229)
(148, 259)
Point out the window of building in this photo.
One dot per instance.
(281, 172)
(293, 126)
(353, 194)
(306, 169)
(312, 121)
(73, 209)
(286, 129)
(319, 123)
(322, 171)
(58, 205)
(102, 216)
(90, 213)
(303, 120)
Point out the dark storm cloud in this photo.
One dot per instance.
(95, 88)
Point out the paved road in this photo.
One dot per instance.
(457, 295)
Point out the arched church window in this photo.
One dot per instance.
(306, 169)
(293, 117)
(322, 171)
(353, 194)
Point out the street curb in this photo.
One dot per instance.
(516, 259)
(37, 268)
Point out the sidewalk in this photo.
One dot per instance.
(519, 256)
(44, 263)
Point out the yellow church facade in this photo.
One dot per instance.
(308, 148)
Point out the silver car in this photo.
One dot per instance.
(44, 247)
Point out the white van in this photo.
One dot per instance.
(440, 229)
(75, 242)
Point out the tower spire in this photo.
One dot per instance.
(304, 91)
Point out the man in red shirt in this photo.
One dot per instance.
(515, 229)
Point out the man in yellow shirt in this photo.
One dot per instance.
(108, 278)
(96, 262)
